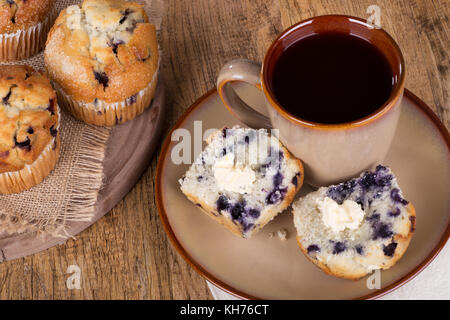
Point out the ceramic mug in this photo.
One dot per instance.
(331, 153)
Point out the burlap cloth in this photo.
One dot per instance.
(70, 192)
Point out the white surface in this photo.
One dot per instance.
(433, 283)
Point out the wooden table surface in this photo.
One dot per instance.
(127, 255)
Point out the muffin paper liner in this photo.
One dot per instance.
(27, 42)
(32, 174)
(102, 113)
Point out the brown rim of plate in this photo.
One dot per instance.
(239, 294)
(385, 108)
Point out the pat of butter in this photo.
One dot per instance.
(338, 217)
(233, 177)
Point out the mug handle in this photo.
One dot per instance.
(249, 72)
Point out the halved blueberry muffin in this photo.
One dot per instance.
(29, 128)
(103, 58)
(350, 229)
(243, 179)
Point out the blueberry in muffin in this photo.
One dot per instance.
(23, 27)
(29, 128)
(103, 58)
(243, 179)
(350, 229)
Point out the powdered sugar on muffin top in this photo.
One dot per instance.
(106, 27)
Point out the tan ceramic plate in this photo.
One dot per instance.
(269, 268)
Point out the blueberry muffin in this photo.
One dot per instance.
(243, 179)
(23, 27)
(29, 128)
(350, 229)
(103, 58)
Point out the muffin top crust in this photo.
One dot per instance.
(105, 49)
(28, 116)
(21, 14)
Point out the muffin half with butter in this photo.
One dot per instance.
(29, 128)
(350, 229)
(243, 179)
(103, 59)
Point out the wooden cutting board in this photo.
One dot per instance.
(129, 150)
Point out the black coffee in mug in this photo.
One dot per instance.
(331, 78)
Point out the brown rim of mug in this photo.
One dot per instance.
(386, 107)
(239, 294)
